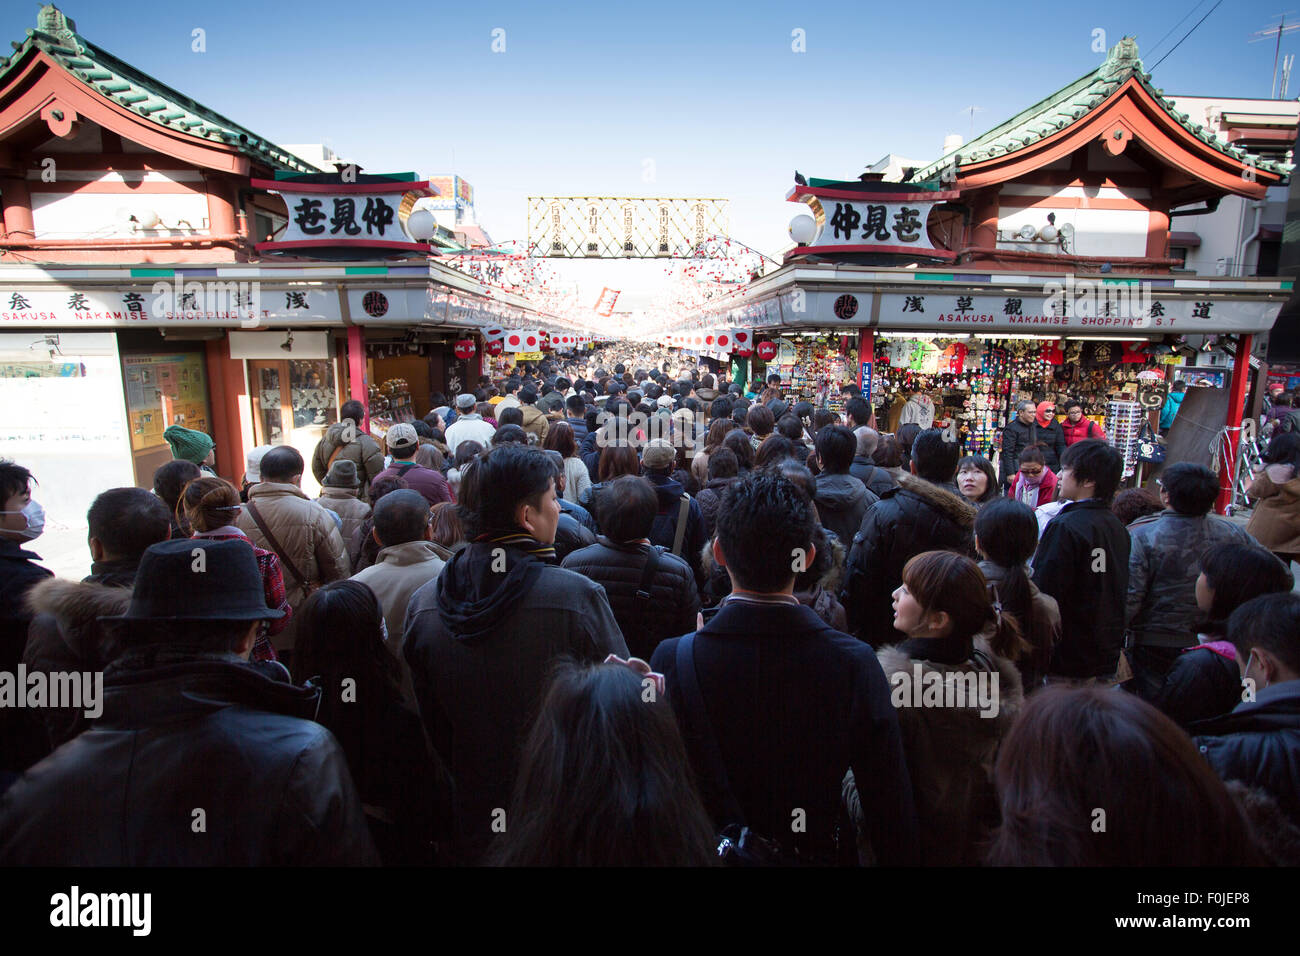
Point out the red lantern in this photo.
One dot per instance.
(767, 351)
(742, 352)
(464, 348)
(495, 347)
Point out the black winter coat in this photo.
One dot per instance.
(793, 705)
(877, 480)
(671, 603)
(180, 733)
(21, 737)
(570, 535)
(1082, 561)
(1258, 743)
(664, 529)
(917, 516)
(841, 502)
(481, 646)
(1017, 436)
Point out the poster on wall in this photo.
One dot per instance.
(163, 390)
(1207, 377)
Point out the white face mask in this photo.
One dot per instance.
(35, 515)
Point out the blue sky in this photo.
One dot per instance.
(584, 94)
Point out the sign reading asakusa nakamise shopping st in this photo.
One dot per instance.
(1029, 311)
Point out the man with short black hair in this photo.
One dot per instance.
(576, 417)
(346, 439)
(1083, 561)
(924, 513)
(65, 634)
(858, 412)
(482, 638)
(758, 687)
(651, 591)
(1258, 742)
(1163, 568)
(403, 529)
(510, 396)
(841, 499)
(303, 535)
(864, 467)
(188, 733)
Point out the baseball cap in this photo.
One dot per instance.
(664, 401)
(402, 437)
(466, 400)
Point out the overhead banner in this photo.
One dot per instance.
(368, 212)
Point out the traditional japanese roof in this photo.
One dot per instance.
(1072, 104)
(55, 35)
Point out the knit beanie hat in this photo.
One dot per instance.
(188, 444)
(342, 474)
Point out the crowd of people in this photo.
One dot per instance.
(599, 613)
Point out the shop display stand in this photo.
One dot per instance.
(1123, 428)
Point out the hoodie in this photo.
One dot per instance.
(481, 640)
(841, 501)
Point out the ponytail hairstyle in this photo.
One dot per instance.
(1006, 532)
(210, 503)
(953, 583)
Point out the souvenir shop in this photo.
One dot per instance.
(976, 382)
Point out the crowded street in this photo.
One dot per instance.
(952, 524)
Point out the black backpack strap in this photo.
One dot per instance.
(714, 770)
(405, 468)
(648, 574)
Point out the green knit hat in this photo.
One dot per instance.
(188, 444)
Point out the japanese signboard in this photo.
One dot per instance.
(342, 214)
(853, 221)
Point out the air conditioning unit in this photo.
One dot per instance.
(1223, 267)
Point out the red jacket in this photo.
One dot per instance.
(1086, 428)
(1046, 490)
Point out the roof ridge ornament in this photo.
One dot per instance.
(54, 22)
(1121, 60)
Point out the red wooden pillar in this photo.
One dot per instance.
(231, 418)
(1232, 435)
(358, 387)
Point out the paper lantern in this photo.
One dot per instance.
(494, 347)
(464, 348)
(767, 351)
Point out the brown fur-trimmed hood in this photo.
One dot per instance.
(77, 603)
(957, 508)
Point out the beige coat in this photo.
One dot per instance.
(396, 574)
(353, 512)
(1276, 521)
(535, 422)
(308, 534)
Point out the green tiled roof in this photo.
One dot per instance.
(1070, 104)
(56, 35)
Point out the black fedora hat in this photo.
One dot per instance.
(192, 579)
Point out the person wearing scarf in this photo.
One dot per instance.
(482, 638)
(1034, 484)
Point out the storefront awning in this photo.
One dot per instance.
(830, 297)
(1189, 240)
(399, 293)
